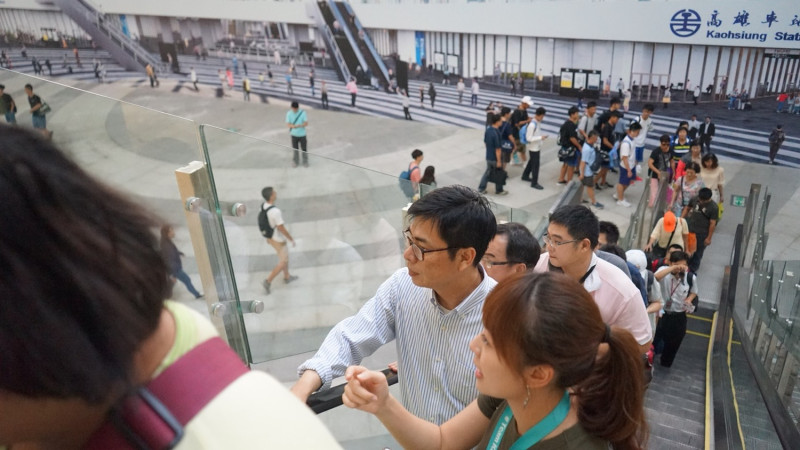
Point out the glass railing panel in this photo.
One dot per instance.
(133, 149)
(346, 222)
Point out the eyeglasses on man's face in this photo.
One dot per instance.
(552, 243)
(489, 264)
(419, 252)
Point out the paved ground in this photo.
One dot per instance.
(347, 218)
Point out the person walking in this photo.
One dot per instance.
(38, 112)
(311, 82)
(706, 133)
(297, 120)
(151, 74)
(494, 158)
(353, 89)
(271, 224)
(586, 174)
(193, 77)
(535, 140)
(422, 96)
(288, 78)
(475, 89)
(776, 139)
(432, 95)
(323, 89)
(7, 106)
(229, 77)
(782, 97)
(246, 88)
(172, 256)
(460, 89)
(406, 103)
(696, 94)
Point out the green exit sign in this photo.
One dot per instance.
(738, 200)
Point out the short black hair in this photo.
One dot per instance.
(522, 246)
(614, 101)
(540, 111)
(572, 110)
(664, 138)
(591, 104)
(267, 192)
(592, 133)
(614, 249)
(694, 166)
(616, 114)
(494, 118)
(610, 230)
(694, 143)
(295, 104)
(676, 247)
(704, 193)
(678, 255)
(28, 86)
(82, 291)
(580, 222)
(2, 86)
(505, 110)
(416, 153)
(649, 107)
(463, 218)
(635, 126)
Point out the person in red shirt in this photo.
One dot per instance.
(782, 101)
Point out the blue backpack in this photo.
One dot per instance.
(522, 132)
(405, 181)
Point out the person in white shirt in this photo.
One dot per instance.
(535, 139)
(646, 121)
(587, 122)
(406, 103)
(278, 239)
(193, 77)
(476, 89)
(627, 172)
(460, 88)
(679, 289)
(696, 94)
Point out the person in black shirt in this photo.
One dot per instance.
(494, 162)
(569, 141)
(661, 164)
(39, 118)
(607, 140)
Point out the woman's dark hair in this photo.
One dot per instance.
(527, 314)
(710, 157)
(463, 218)
(428, 176)
(81, 276)
(693, 166)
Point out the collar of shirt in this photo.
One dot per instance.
(475, 298)
(592, 282)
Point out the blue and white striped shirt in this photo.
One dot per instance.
(436, 373)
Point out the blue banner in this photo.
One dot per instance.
(419, 43)
(124, 22)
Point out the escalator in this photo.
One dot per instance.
(363, 43)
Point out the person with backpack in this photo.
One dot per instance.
(271, 225)
(590, 164)
(679, 289)
(409, 178)
(531, 135)
(776, 139)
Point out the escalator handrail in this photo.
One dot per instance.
(346, 29)
(369, 43)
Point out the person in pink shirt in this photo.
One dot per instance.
(569, 243)
(353, 89)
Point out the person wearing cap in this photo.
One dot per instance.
(669, 230)
(297, 120)
(7, 106)
(519, 118)
(627, 171)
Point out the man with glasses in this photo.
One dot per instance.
(570, 241)
(512, 250)
(431, 309)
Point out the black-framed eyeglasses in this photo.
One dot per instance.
(419, 253)
(489, 264)
(552, 243)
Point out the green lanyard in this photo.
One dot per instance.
(535, 434)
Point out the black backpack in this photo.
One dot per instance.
(263, 223)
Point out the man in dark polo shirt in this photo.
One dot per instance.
(494, 160)
(518, 120)
(7, 106)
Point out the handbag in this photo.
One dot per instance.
(44, 109)
(498, 176)
(566, 153)
(691, 243)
